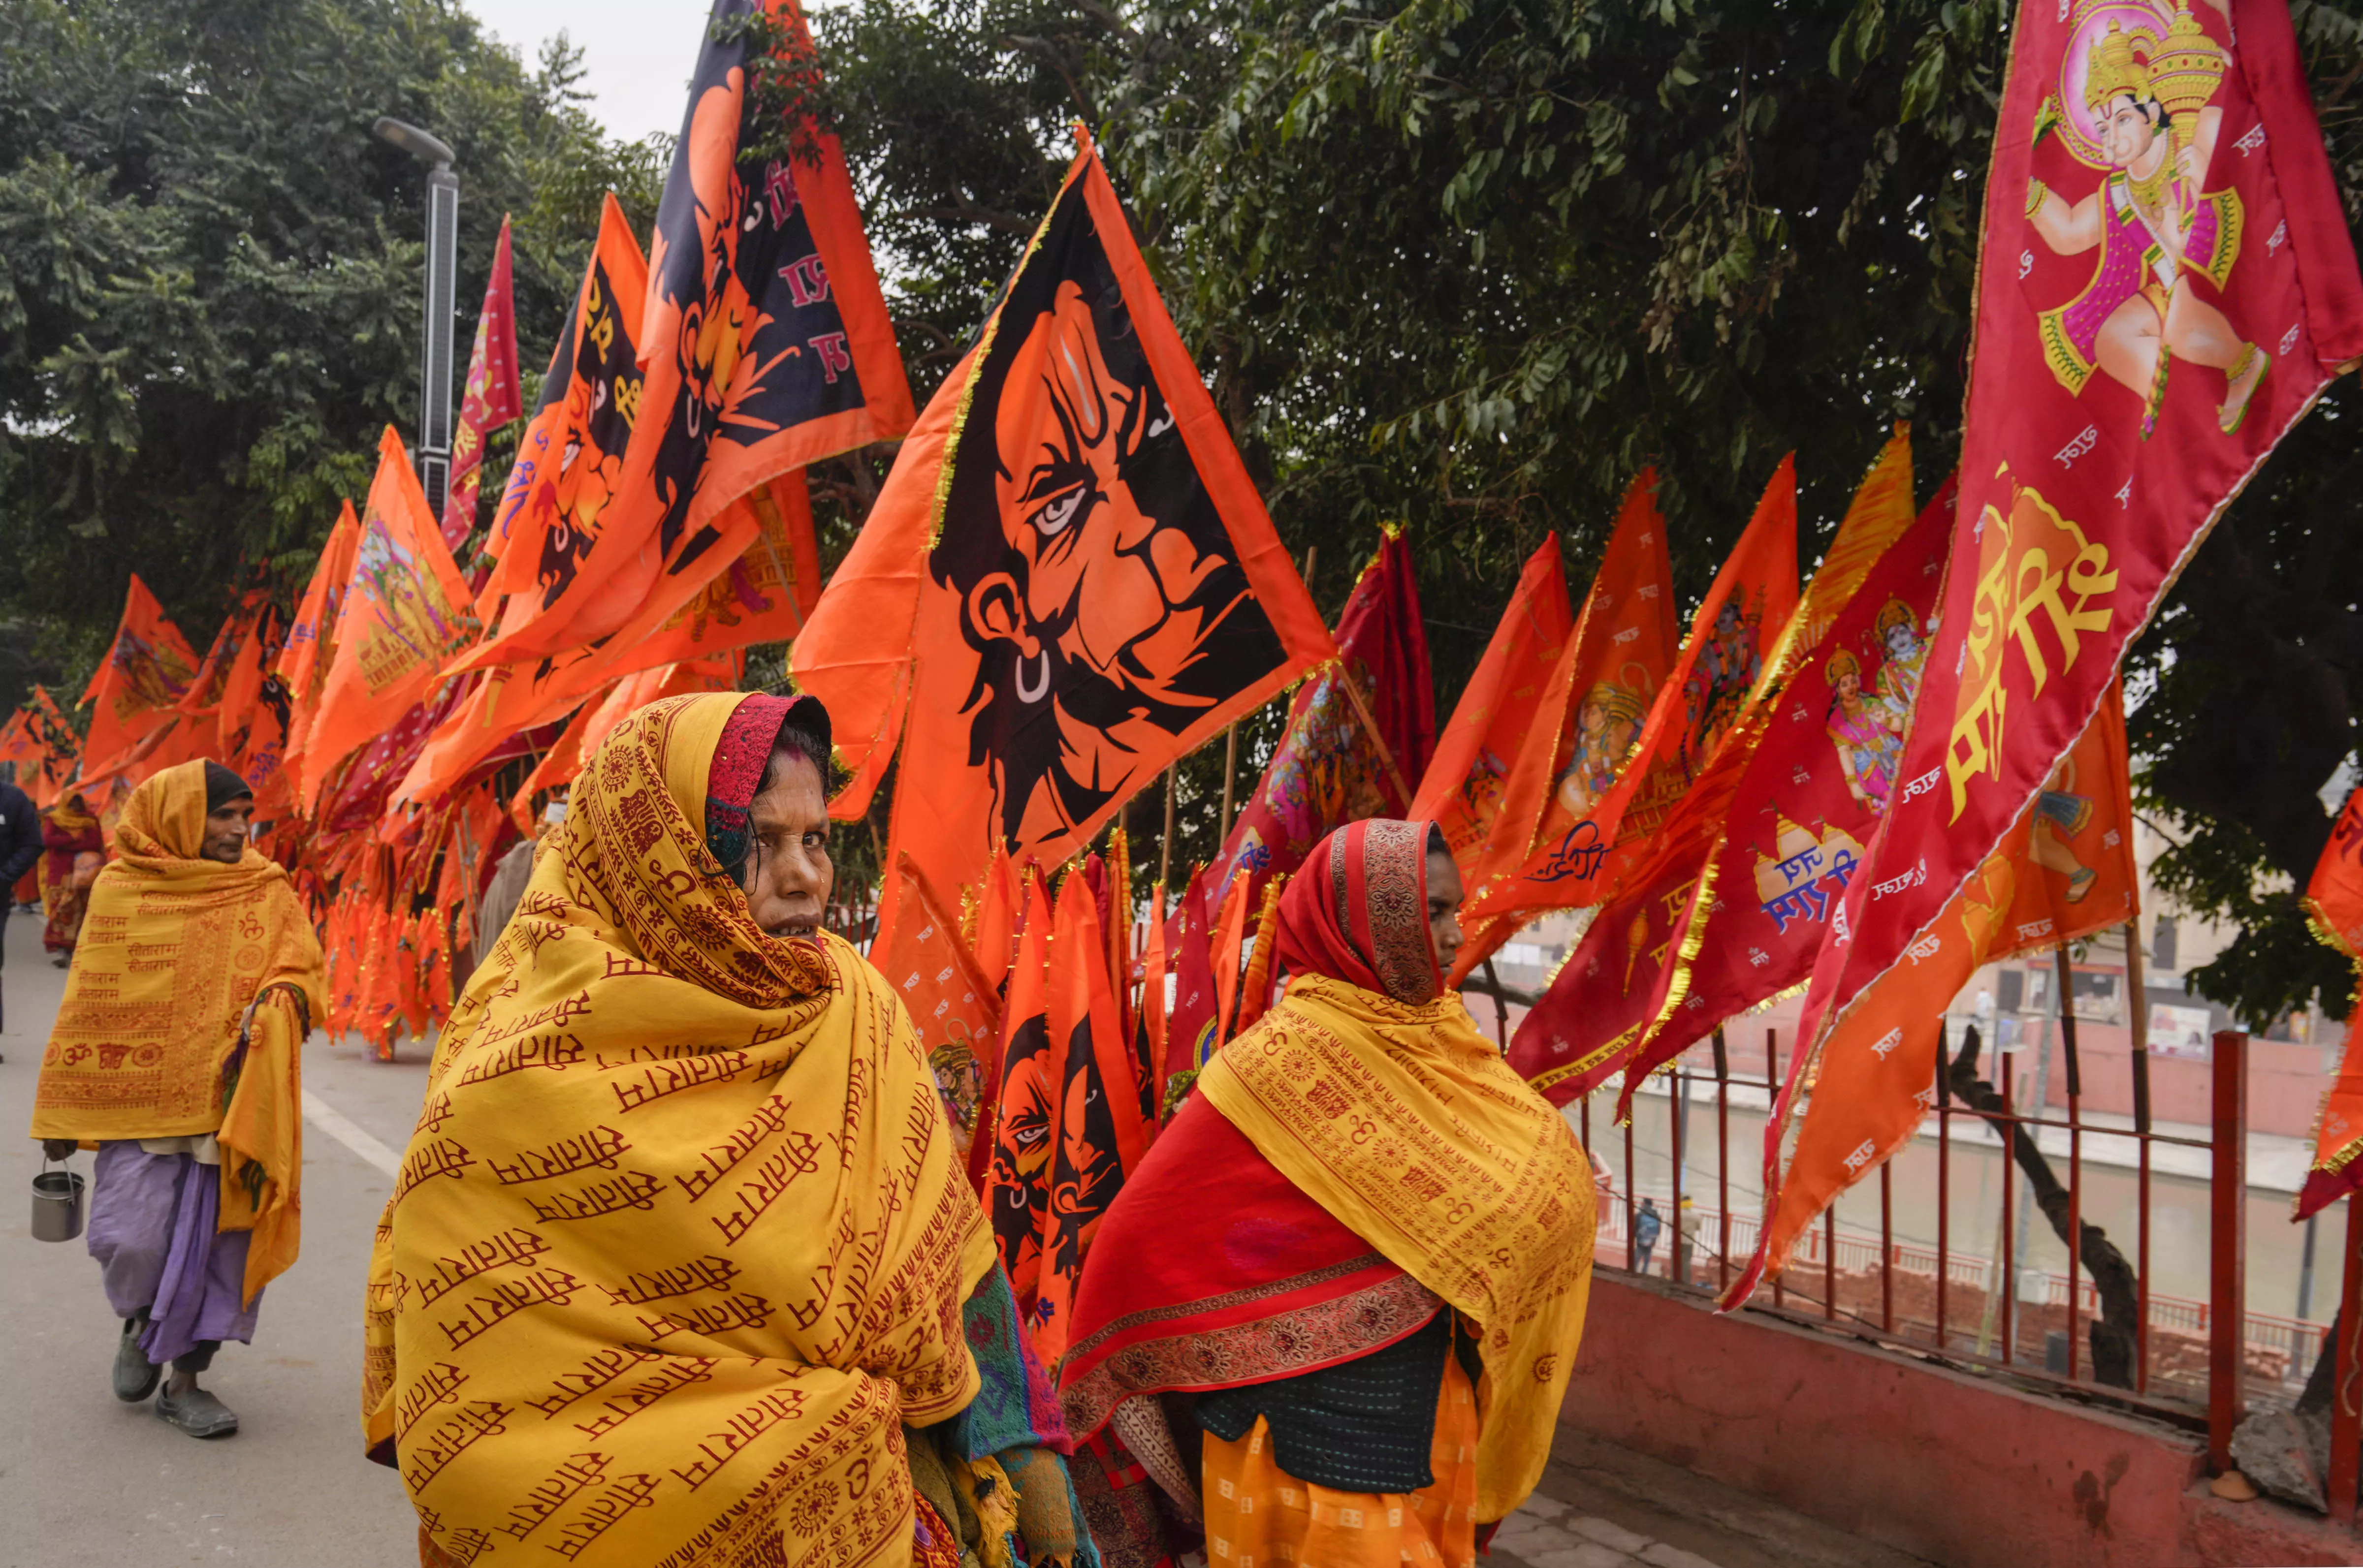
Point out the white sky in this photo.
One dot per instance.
(637, 54)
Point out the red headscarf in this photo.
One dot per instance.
(1357, 911)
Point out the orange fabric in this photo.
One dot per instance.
(551, 531)
(1572, 769)
(141, 683)
(311, 646)
(1873, 1076)
(715, 283)
(405, 613)
(1258, 1514)
(1230, 940)
(919, 621)
(1255, 988)
(1462, 789)
(598, 719)
(954, 1010)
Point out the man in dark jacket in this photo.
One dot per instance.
(21, 847)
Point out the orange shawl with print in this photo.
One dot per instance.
(681, 1240)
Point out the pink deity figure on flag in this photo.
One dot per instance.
(1897, 684)
(1869, 736)
(2135, 82)
(1719, 682)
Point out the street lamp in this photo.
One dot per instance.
(442, 283)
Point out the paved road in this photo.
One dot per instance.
(85, 1480)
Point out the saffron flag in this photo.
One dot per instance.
(552, 531)
(1230, 942)
(1622, 1000)
(310, 650)
(254, 707)
(596, 719)
(1461, 791)
(953, 1008)
(1618, 780)
(1150, 1021)
(1358, 732)
(2168, 285)
(405, 614)
(1017, 1190)
(490, 398)
(140, 684)
(1067, 586)
(1098, 1137)
(764, 335)
(2333, 895)
(1864, 1086)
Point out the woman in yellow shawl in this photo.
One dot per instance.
(1359, 1253)
(680, 1267)
(177, 1054)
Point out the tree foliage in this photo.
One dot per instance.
(210, 275)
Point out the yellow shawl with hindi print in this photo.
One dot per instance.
(1406, 1125)
(681, 1242)
(192, 989)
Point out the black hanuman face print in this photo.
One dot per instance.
(1100, 596)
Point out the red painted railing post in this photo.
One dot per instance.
(2228, 1319)
(2346, 1403)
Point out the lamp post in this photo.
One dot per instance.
(442, 283)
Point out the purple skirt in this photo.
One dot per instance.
(151, 1230)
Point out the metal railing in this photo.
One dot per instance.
(2191, 1360)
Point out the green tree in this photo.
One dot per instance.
(210, 276)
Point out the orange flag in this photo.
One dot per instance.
(1624, 999)
(2334, 907)
(764, 335)
(405, 614)
(1461, 791)
(311, 646)
(140, 684)
(552, 529)
(1229, 942)
(1017, 1191)
(597, 719)
(954, 1008)
(1595, 822)
(2334, 896)
(1153, 1025)
(1255, 987)
(1578, 740)
(1068, 580)
(2066, 870)
(1099, 1135)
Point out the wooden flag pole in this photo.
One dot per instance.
(1230, 776)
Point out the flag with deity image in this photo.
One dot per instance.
(1068, 580)
(2166, 284)
(1812, 740)
(489, 399)
(2334, 907)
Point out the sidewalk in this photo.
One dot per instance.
(1604, 1506)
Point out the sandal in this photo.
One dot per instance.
(135, 1376)
(197, 1413)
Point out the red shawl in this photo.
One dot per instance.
(1212, 1270)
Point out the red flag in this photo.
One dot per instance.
(1626, 998)
(405, 614)
(2125, 387)
(765, 336)
(953, 1008)
(1358, 733)
(1873, 1072)
(491, 398)
(140, 684)
(1461, 791)
(311, 646)
(1580, 742)
(1018, 1193)
(1580, 856)
(1193, 1030)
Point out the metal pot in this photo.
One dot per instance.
(58, 1204)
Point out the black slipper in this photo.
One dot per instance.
(197, 1413)
(135, 1376)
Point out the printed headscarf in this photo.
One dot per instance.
(1357, 911)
